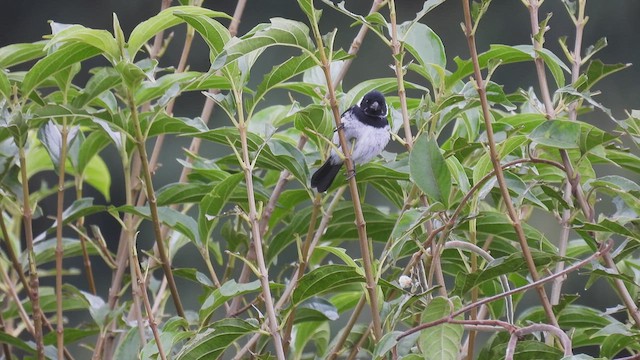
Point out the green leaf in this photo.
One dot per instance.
(315, 309)
(100, 39)
(429, 170)
(89, 149)
(97, 174)
(294, 66)
(79, 208)
(180, 193)
(16, 343)
(323, 279)
(561, 134)
(213, 203)
(5, 86)
(226, 292)
(167, 86)
(281, 31)
(51, 138)
(65, 56)
(214, 340)
(501, 266)
(164, 124)
(176, 220)
(213, 33)
(597, 71)
(303, 333)
(441, 341)
(164, 20)
(15, 54)
(484, 166)
(423, 43)
(555, 65)
(103, 80)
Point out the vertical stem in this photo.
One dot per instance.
(556, 288)
(59, 248)
(6, 349)
(363, 240)
(153, 206)
(138, 280)
(402, 93)
(495, 160)
(255, 230)
(34, 282)
(317, 206)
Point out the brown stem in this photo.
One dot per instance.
(603, 250)
(317, 206)
(153, 206)
(6, 349)
(495, 159)
(564, 339)
(363, 240)
(79, 228)
(572, 178)
(59, 251)
(247, 167)
(347, 329)
(402, 93)
(34, 282)
(138, 279)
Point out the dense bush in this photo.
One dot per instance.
(448, 250)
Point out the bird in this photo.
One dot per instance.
(365, 123)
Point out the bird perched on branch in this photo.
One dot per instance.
(365, 123)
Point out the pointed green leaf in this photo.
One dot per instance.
(429, 169)
(423, 43)
(214, 340)
(65, 56)
(213, 33)
(597, 71)
(164, 20)
(103, 80)
(280, 32)
(562, 134)
(15, 54)
(101, 39)
(323, 279)
(442, 341)
(176, 220)
(5, 86)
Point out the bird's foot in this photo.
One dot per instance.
(339, 127)
(350, 174)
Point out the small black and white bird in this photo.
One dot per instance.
(367, 124)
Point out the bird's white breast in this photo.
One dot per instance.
(369, 140)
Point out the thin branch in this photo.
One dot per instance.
(247, 167)
(363, 240)
(59, 251)
(153, 206)
(6, 348)
(304, 259)
(603, 250)
(556, 288)
(34, 281)
(557, 332)
(495, 159)
(347, 329)
(399, 70)
(138, 280)
(572, 177)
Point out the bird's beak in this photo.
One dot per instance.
(375, 106)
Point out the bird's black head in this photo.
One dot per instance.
(373, 104)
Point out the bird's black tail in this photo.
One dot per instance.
(324, 176)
